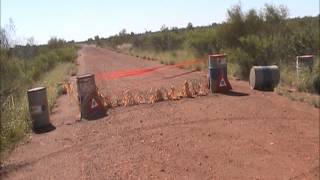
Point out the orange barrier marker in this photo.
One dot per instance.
(223, 84)
(139, 72)
(94, 106)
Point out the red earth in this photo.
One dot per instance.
(247, 134)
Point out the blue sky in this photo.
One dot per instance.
(80, 19)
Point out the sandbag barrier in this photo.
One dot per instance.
(189, 89)
(93, 104)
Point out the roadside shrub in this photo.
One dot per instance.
(198, 67)
(243, 62)
(172, 62)
(204, 43)
(67, 54)
(316, 82)
(15, 118)
(288, 74)
(174, 54)
(304, 82)
(309, 81)
(254, 37)
(316, 77)
(160, 41)
(54, 42)
(18, 73)
(11, 73)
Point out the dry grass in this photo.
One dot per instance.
(295, 95)
(167, 57)
(15, 119)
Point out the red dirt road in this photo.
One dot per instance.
(256, 136)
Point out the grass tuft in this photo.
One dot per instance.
(15, 118)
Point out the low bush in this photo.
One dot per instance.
(204, 43)
(309, 81)
(241, 63)
(254, 37)
(49, 66)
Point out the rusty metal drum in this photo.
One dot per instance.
(91, 105)
(264, 77)
(38, 107)
(304, 63)
(217, 64)
(86, 85)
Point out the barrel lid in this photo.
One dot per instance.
(84, 76)
(218, 55)
(36, 89)
(305, 58)
(265, 67)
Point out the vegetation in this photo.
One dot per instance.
(23, 67)
(264, 37)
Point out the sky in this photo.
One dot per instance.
(81, 19)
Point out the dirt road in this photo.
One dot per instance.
(258, 135)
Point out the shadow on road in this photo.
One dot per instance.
(234, 93)
(44, 129)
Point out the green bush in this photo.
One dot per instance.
(203, 43)
(54, 42)
(253, 37)
(67, 54)
(316, 82)
(18, 74)
(242, 62)
(304, 81)
(12, 72)
(315, 77)
(288, 75)
(172, 62)
(15, 118)
(309, 81)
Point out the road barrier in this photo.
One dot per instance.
(264, 77)
(304, 63)
(39, 110)
(218, 77)
(91, 105)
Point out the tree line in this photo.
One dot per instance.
(252, 37)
